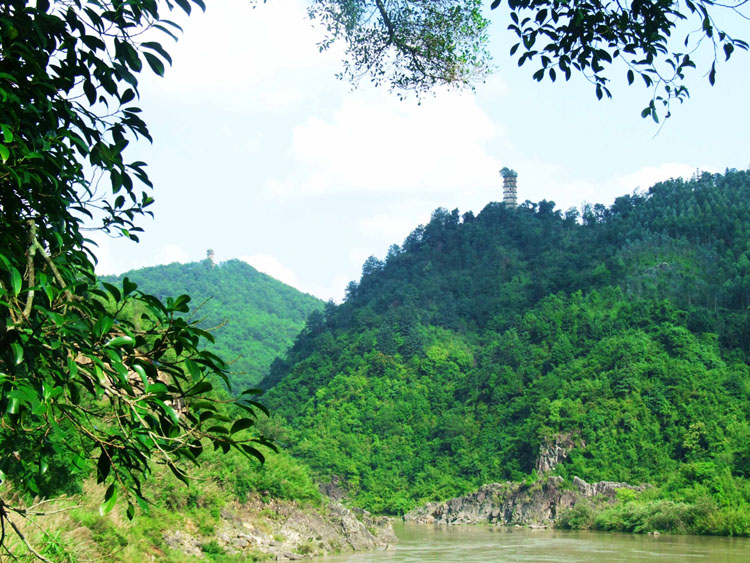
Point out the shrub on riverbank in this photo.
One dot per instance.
(648, 515)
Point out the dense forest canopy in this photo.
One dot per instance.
(484, 337)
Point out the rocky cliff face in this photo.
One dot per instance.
(555, 450)
(536, 505)
(282, 530)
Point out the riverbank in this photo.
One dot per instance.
(578, 505)
(201, 522)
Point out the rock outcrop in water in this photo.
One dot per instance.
(511, 504)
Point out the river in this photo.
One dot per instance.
(464, 544)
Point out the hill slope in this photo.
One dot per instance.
(485, 338)
(257, 317)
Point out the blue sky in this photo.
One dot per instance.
(262, 154)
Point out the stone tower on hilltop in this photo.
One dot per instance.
(210, 257)
(510, 197)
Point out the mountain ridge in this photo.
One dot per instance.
(482, 337)
(253, 316)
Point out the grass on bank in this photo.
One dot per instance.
(74, 531)
(697, 499)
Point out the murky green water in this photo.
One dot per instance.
(465, 544)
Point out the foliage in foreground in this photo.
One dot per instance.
(418, 45)
(89, 373)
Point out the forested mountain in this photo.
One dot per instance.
(624, 328)
(253, 316)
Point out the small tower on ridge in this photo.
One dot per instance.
(210, 257)
(510, 197)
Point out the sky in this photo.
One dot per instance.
(261, 154)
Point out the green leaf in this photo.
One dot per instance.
(169, 411)
(241, 424)
(142, 503)
(17, 353)
(103, 467)
(128, 286)
(12, 406)
(193, 369)
(8, 132)
(75, 394)
(728, 49)
(178, 473)
(200, 388)
(90, 90)
(113, 290)
(16, 281)
(121, 341)
(4, 153)
(138, 368)
(158, 388)
(72, 367)
(131, 511)
(110, 498)
(258, 406)
(181, 304)
(203, 405)
(155, 63)
(103, 325)
(158, 48)
(185, 5)
(251, 451)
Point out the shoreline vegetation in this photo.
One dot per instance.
(212, 521)
(604, 506)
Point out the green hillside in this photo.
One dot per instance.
(481, 338)
(253, 316)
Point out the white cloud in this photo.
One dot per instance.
(278, 190)
(269, 265)
(646, 177)
(567, 188)
(169, 253)
(259, 51)
(106, 263)
(389, 226)
(249, 145)
(375, 144)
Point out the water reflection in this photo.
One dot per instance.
(420, 543)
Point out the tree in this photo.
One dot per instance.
(411, 44)
(417, 45)
(90, 371)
